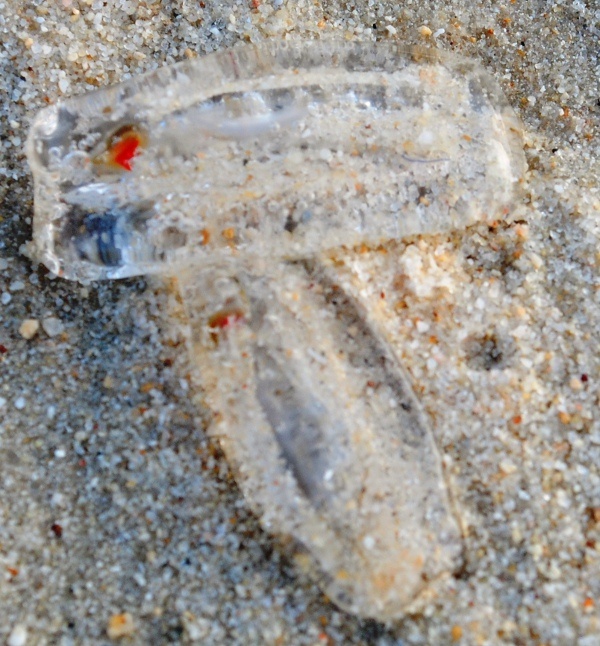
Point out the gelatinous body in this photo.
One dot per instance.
(237, 173)
(281, 151)
(329, 443)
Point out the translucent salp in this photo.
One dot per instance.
(236, 173)
(328, 442)
(282, 150)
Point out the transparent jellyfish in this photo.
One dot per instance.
(238, 173)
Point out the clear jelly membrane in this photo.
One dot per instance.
(237, 173)
(281, 151)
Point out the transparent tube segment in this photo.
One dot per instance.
(328, 442)
(282, 150)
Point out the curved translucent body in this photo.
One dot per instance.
(329, 444)
(281, 151)
(237, 173)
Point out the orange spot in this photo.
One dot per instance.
(588, 604)
(564, 417)
(228, 234)
(383, 581)
(205, 236)
(457, 633)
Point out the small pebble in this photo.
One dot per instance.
(507, 467)
(5, 298)
(576, 383)
(20, 403)
(425, 31)
(18, 636)
(120, 625)
(29, 328)
(52, 326)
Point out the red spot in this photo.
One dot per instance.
(125, 149)
(3, 349)
(225, 319)
(584, 378)
(57, 530)
(82, 463)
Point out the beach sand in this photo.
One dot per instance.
(120, 519)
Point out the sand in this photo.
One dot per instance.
(120, 520)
